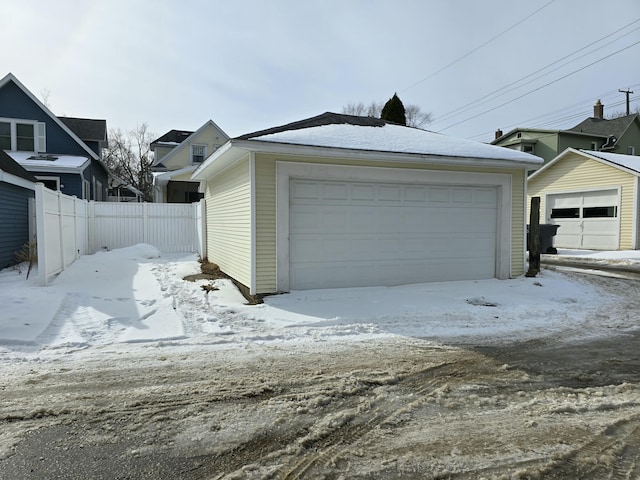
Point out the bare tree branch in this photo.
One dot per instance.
(415, 116)
(129, 157)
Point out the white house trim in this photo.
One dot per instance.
(17, 181)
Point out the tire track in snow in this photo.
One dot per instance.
(614, 453)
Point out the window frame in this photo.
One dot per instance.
(39, 134)
(192, 154)
(49, 178)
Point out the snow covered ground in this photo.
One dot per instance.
(122, 368)
(137, 295)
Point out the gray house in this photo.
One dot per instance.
(16, 188)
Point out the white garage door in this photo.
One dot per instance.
(348, 234)
(587, 219)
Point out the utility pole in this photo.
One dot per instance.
(627, 93)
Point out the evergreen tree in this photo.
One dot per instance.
(393, 111)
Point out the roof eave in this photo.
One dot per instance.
(236, 149)
(15, 180)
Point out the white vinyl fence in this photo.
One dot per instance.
(61, 231)
(170, 227)
(67, 228)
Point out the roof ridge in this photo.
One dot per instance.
(326, 118)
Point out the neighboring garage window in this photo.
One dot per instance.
(600, 212)
(587, 212)
(565, 213)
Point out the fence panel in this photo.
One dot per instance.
(171, 227)
(60, 231)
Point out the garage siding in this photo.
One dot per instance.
(265, 172)
(576, 173)
(228, 200)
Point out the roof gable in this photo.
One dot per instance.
(11, 78)
(627, 163)
(192, 138)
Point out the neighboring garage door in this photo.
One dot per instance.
(587, 220)
(349, 234)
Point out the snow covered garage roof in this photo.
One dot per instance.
(339, 135)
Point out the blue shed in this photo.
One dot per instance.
(16, 188)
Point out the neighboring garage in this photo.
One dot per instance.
(343, 201)
(592, 196)
(587, 220)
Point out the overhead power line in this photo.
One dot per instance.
(477, 48)
(575, 111)
(541, 87)
(506, 89)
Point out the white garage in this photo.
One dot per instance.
(351, 234)
(343, 201)
(587, 220)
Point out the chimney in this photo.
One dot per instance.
(598, 110)
(498, 133)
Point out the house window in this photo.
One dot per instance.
(527, 148)
(198, 153)
(22, 135)
(631, 150)
(5, 136)
(52, 183)
(25, 137)
(594, 146)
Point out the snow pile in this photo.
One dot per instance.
(136, 295)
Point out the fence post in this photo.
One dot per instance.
(41, 233)
(60, 226)
(201, 227)
(91, 227)
(145, 226)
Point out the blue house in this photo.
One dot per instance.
(62, 152)
(16, 188)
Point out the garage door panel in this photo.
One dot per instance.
(387, 234)
(415, 194)
(335, 191)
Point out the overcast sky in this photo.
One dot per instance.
(249, 64)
